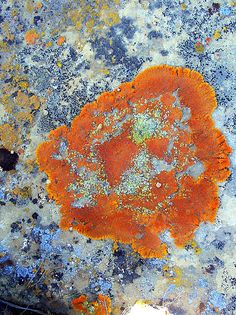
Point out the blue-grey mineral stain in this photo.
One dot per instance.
(105, 43)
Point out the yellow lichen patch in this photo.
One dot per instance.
(8, 136)
(24, 192)
(30, 165)
(23, 84)
(27, 102)
(110, 18)
(217, 35)
(173, 275)
(14, 12)
(32, 6)
(100, 12)
(115, 247)
(193, 244)
(89, 25)
(105, 71)
(3, 46)
(23, 116)
(29, 6)
(199, 47)
(6, 29)
(17, 100)
(49, 44)
(34, 102)
(59, 64)
(22, 99)
(197, 250)
(38, 5)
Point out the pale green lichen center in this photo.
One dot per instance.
(144, 128)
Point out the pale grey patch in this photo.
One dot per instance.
(119, 124)
(107, 121)
(170, 145)
(133, 179)
(181, 126)
(196, 170)
(63, 147)
(62, 154)
(88, 183)
(141, 160)
(192, 147)
(177, 100)
(57, 157)
(160, 165)
(81, 202)
(186, 114)
(105, 187)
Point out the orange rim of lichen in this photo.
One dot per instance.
(100, 307)
(197, 199)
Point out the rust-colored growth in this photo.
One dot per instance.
(100, 307)
(31, 37)
(61, 40)
(140, 160)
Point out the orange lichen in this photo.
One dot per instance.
(31, 37)
(140, 160)
(100, 307)
(61, 40)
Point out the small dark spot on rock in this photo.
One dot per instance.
(43, 287)
(164, 52)
(210, 269)
(155, 34)
(233, 281)
(8, 160)
(119, 253)
(9, 80)
(35, 215)
(35, 200)
(73, 54)
(58, 275)
(7, 262)
(89, 241)
(218, 244)
(14, 94)
(53, 226)
(13, 200)
(55, 287)
(37, 19)
(201, 307)
(21, 280)
(216, 6)
(16, 227)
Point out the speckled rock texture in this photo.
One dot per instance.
(57, 56)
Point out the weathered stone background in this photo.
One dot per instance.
(55, 57)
